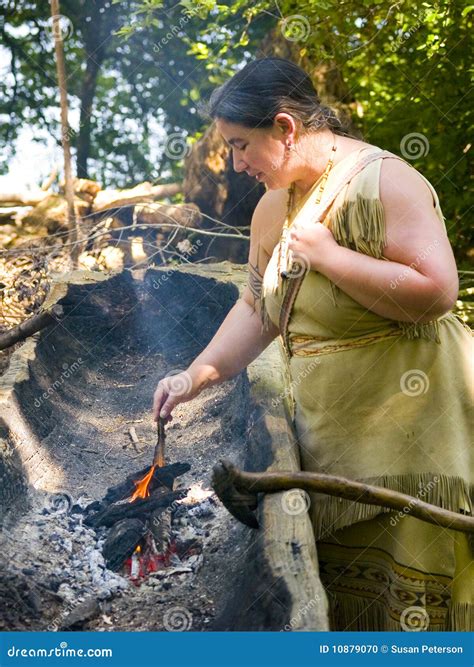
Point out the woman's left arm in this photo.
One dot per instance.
(419, 282)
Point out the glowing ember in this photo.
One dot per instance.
(196, 494)
(141, 487)
(144, 562)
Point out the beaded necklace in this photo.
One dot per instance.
(284, 259)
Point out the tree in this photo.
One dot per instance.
(402, 70)
(124, 92)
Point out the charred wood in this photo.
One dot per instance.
(121, 542)
(161, 477)
(141, 508)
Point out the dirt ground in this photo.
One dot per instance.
(49, 557)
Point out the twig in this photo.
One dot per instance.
(134, 438)
(204, 232)
(30, 326)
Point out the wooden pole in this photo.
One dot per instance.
(68, 178)
(229, 482)
(30, 326)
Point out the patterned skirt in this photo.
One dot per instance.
(398, 573)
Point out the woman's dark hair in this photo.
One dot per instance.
(268, 86)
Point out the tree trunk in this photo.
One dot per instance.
(87, 98)
(61, 73)
(211, 183)
(97, 34)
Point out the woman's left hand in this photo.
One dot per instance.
(311, 244)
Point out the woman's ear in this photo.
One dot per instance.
(286, 125)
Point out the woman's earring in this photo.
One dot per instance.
(289, 146)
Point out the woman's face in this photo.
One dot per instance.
(259, 152)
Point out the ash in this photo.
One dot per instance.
(54, 562)
(52, 572)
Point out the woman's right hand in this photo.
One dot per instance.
(172, 390)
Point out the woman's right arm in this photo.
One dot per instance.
(240, 339)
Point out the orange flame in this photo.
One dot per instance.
(141, 487)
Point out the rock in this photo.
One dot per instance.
(82, 613)
(66, 592)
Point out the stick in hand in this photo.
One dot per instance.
(159, 455)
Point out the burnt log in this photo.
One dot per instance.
(161, 477)
(121, 542)
(141, 508)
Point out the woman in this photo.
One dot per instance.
(367, 292)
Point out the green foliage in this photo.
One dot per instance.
(145, 87)
(403, 69)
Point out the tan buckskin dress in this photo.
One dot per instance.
(386, 403)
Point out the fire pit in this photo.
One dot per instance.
(76, 434)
